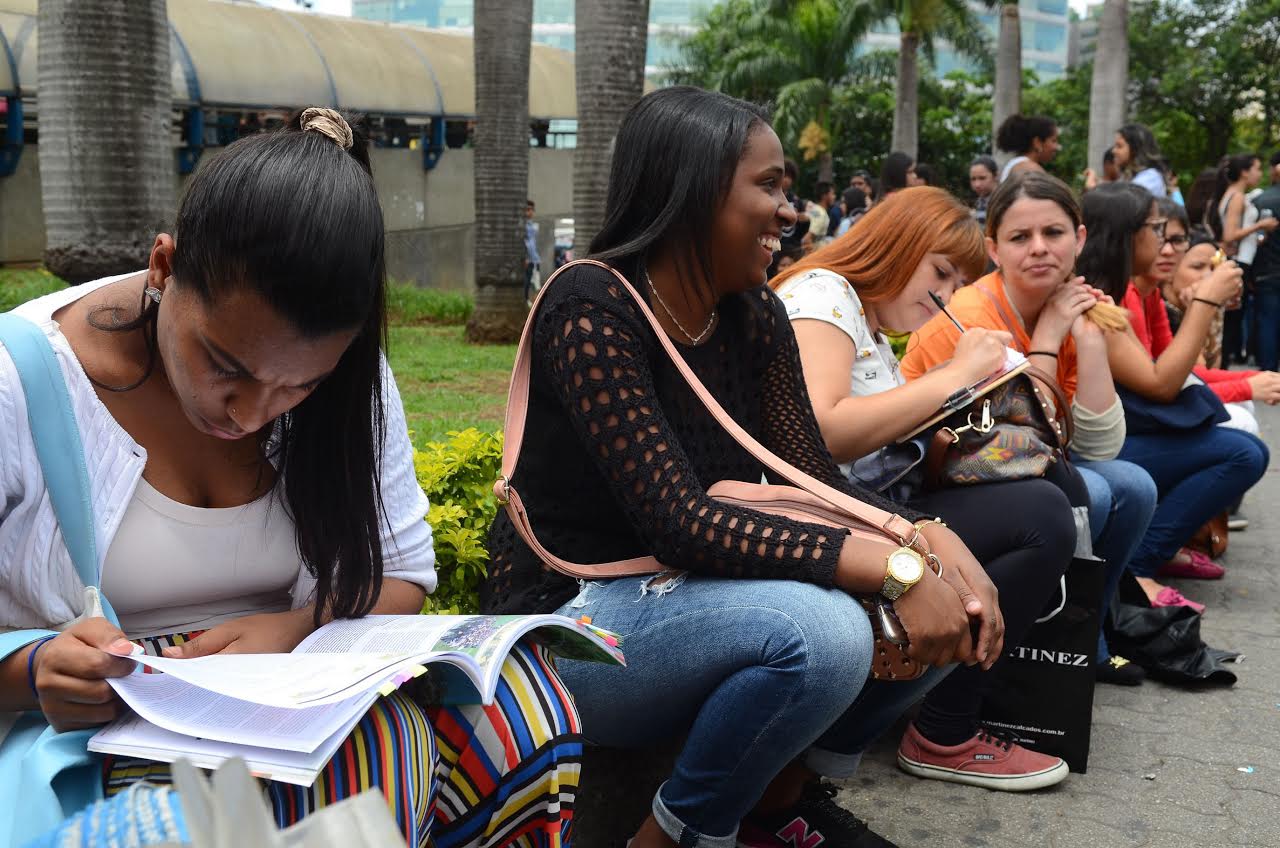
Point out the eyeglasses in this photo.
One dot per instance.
(1178, 242)
(1158, 227)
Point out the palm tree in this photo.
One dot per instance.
(1007, 99)
(106, 160)
(503, 37)
(804, 52)
(611, 39)
(1109, 88)
(920, 22)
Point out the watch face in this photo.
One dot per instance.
(906, 566)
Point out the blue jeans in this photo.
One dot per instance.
(1198, 474)
(756, 672)
(1267, 326)
(1122, 499)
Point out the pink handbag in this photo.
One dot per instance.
(806, 499)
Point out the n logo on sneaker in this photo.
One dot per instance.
(797, 834)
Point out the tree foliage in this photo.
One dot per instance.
(1202, 75)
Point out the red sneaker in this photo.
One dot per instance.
(989, 759)
(1193, 565)
(1170, 597)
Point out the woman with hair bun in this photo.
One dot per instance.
(252, 479)
(1032, 139)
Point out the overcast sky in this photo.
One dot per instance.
(343, 7)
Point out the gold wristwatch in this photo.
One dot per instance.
(905, 568)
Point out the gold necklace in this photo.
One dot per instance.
(688, 335)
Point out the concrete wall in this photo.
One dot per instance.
(430, 216)
(21, 212)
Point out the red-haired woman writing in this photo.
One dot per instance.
(841, 299)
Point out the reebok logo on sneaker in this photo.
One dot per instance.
(796, 833)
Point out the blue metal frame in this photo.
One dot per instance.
(189, 153)
(11, 150)
(433, 143)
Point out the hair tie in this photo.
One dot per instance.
(327, 122)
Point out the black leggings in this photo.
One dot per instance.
(1024, 534)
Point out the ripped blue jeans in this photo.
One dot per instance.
(757, 673)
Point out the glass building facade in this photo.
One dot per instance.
(1046, 31)
(553, 22)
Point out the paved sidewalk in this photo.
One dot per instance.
(1195, 743)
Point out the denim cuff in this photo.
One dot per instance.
(831, 764)
(685, 836)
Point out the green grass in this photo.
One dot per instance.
(408, 304)
(445, 383)
(19, 286)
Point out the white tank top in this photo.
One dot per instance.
(1247, 247)
(174, 568)
(1010, 165)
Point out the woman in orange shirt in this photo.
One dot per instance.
(1034, 233)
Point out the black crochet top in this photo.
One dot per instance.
(618, 451)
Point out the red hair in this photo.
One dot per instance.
(880, 253)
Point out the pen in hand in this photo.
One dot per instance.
(942, 306)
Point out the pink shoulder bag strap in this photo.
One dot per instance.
(846, 510)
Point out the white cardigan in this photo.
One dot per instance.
(39, 587)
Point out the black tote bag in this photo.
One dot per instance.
(1043, 691)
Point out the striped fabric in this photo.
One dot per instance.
(505, 775)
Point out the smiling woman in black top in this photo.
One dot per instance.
(755, 648)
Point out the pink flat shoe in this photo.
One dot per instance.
(1170, 597)
(1192, 564)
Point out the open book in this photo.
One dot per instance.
(286, 714)
(1014, 364)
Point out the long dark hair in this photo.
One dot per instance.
(673, 163)
(1143, 151)
(1113, 215)
(1200, 196)
(295, 218)
(1233, 169)
(893, 173)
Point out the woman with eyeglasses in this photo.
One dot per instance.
(1177, 273)
(1198, 472)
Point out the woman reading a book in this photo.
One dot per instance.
(879, 275)
(752, 646)
(252, 478)
(1034, 234)
(1200, 470)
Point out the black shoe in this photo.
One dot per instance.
(816, 820)
(1119, 671)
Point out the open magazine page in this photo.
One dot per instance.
(285, 680)
(174, 704)
(133, 736)
(490, 639)
(382, 634)
(476, 644)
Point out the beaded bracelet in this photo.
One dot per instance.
(31, 665)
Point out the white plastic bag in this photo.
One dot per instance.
(230, 811)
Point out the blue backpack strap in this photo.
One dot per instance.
(57, 439)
